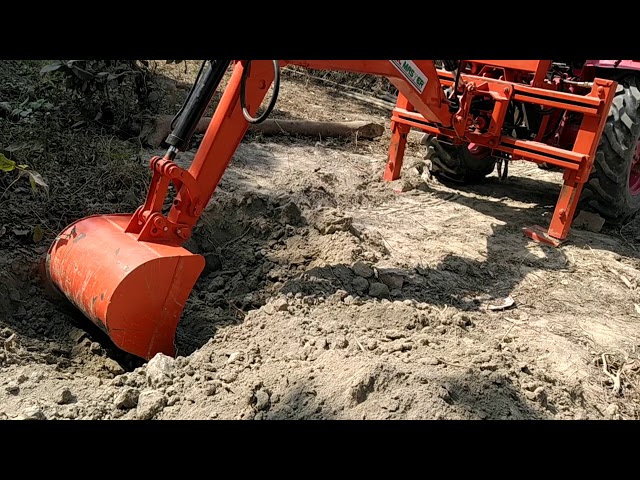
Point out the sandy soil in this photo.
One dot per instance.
(329, 294)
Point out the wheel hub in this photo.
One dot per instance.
(478, 151)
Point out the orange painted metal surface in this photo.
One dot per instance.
(134, 291)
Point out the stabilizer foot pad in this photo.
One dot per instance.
(541, 235)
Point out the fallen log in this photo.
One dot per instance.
(155, 133)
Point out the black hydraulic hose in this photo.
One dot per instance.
(272, 102)
(455, 105)
(196, 104)
(195, 82)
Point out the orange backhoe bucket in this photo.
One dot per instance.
(133, 290)
(128, 273)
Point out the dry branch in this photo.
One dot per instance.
(615, 379)
(155, 133)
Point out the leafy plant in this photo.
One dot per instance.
(111, 93)
(35, 179)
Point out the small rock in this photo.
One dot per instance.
(12, 388)
(276, 233)
(64, 396)
(211, 390)
(229, 377)
(280, 304)
(372, 344)
(429, 360)
(589, 221)
(233, 357)
(491, 366)
(127, 399)
(216, 284)
(538, 395)
(261, 399)
(348, 299)
(291, 214)
(392, 405)
(362, 270)
(150, 403)
(611, 410)
(33, 413)
(462, 320)
(10, 343)
(403, 185)
(240, 288)
(523, 367)
(160, 370)
(341, 294)
(531, 386)
(378, 290)
(370, 257)
(360, 284)
(443, 393)
(394, 334)
(329, 221)
(341, 342)
(482, 414)
(212, 264)
(269, 309)
(113, 367)
(358, 300)
(391, 280)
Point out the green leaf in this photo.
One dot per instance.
(51, 67)
(38, 234)
(6, 165)
(36, 181)
(14, 147)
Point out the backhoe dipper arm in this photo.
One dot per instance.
(417, 80)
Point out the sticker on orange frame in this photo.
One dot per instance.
(411, 72)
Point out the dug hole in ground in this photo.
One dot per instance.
(328, 293)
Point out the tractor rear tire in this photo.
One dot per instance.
(613, 188)
(465, 164)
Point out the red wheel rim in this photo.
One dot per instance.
(634, 174)
(480, 151)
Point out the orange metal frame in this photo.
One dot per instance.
(421, 104)
(576, 162)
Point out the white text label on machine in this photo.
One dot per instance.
(412, 73)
